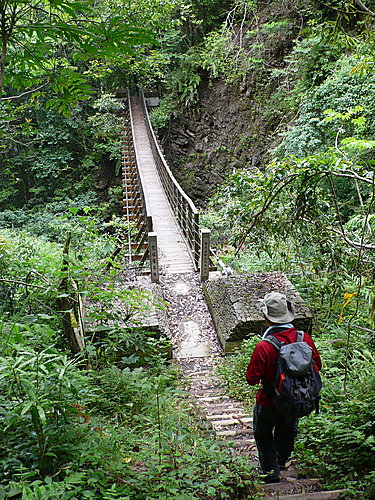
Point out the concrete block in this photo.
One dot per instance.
(232, 301)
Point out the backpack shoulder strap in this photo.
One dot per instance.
(299, 336)
(274, 341)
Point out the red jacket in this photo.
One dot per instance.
(262, 366)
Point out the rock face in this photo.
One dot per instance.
(236, 125)
(204, 145)
(232, 302)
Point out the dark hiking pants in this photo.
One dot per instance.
(274, 437)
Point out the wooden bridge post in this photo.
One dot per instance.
(205, 254)
(153, 256)
(150, 225)
(196, 240)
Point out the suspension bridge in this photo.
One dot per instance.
(168, 236)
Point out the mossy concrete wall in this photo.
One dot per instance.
(232, 301)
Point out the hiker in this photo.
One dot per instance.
(274, 433)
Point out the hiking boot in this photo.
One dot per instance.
(283, 464)
(271, 479)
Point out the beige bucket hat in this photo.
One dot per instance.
(277, 308)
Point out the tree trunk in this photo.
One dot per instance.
(66, 303)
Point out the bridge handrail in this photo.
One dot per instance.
(144, 198)
(186, 213)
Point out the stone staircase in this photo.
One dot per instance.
(227, 417)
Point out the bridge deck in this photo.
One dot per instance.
(174, 257)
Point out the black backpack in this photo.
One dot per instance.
(295, 389)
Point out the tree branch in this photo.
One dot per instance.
(23, 93)
(363, 6)
(350, 174)
(322, 173)
(338, 214)
(342, 234)
(266, 204)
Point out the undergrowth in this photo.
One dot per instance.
(111, 422)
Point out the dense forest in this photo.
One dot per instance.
(266, 116)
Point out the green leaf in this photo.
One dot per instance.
(27, 407)
(41, 414)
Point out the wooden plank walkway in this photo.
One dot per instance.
(174, 256)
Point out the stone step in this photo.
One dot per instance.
(203, 395)
(291, 487)
(245, 419)
(224, 423)
(317, 495)
(195, 375)
(227, 413)
(204, 382)
(230, 424)
(233, 433)
(209, 399)
(223, 416)
(206, 388)
(223, 407)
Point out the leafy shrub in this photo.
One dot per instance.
(223, 58)
(39, 392)
(341, 91)
(185, 81)
(339, 442)
(34, 331)
(161, 115)
(28, 268)
(314, 59)
(120, 436)
(54, 221)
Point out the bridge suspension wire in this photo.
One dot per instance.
(146, 236)
(139, 225)
(126, 168)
